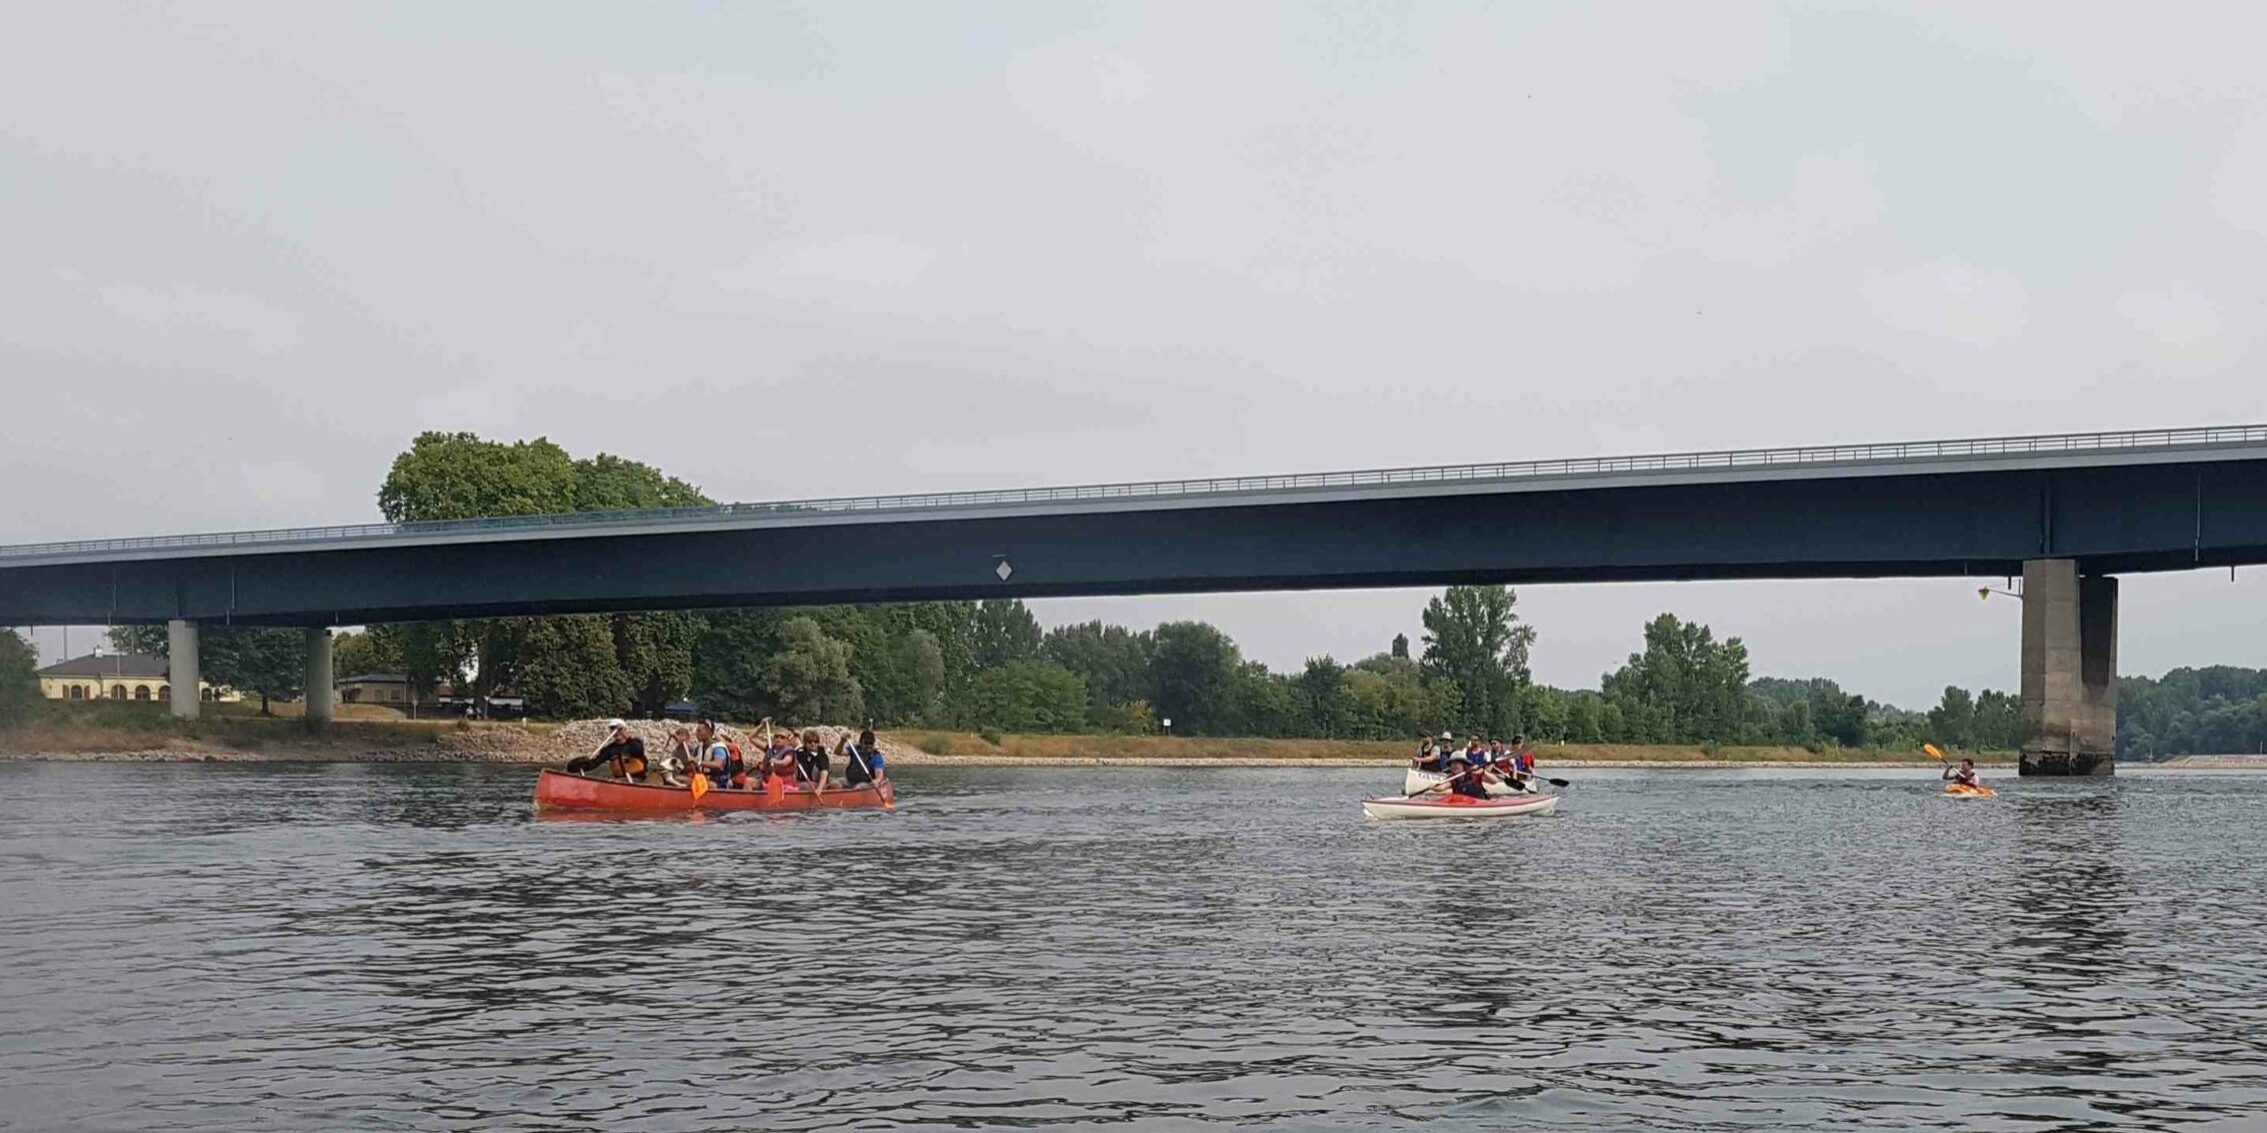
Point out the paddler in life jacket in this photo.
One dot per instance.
(1427, 757)
(1963, 775)
(779, 755)
(1466, 778)
(720, 758)
(623, 755)
(862, 760)
(1522, 763)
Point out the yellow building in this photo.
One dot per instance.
(117, 676)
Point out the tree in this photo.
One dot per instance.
(729, 660)
(611, 483)
(1319, 692)
(1005, 633)
(1686, 687)
(1257, 703)
(460, 476)
(1953, 721)
(1189, 667)
(19, 679)
(1473, 638)
(569, 668)
(1028, 696)
(1112, 660)
(654, 653)
(354, 654)
(810, 676)
(1387, 698)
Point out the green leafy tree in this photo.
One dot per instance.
(1686, 687)
(461, 476)
(810, 676)
(354, 654)
(1953, 721)
(1112, 660)
(654, 654)
(1258, 703)
(19, 679)
(729, 660)
(1388, 698)
(1190, 667)
(568, 668)
(1005, 633)
(612, 483)
(1319, 694)
(1028, 696)
(1473, 637)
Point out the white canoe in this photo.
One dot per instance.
(1457, 806)
(1414, 780)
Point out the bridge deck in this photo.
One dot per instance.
(2064, 450)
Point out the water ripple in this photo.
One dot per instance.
(323, 947)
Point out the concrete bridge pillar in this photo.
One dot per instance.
(318, 694)
(181, 667)
(2069, 670)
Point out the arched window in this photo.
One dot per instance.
(210, 694)
(78, 692)
(141, 692)
(165, 692)
(118, 692)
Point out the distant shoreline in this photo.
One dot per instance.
(277, 740)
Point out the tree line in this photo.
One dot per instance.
(990, 666)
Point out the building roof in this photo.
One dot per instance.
(133, 665)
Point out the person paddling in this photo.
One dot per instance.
(1963, 775)
(811, 763)
(720, 758)
(863, 759)
(1522, 764)
(1465, 778)
(779, 754)
(1426, 758)
(623, 754)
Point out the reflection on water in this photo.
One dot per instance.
(314, 947)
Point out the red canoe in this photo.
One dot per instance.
(557, 790)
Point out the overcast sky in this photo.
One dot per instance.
(248, 250)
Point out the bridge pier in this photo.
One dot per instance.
(2069, 670)
(181, 667)
(318, 694)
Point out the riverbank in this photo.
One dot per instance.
(150, 737)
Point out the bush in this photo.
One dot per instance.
(989, 736)
(19, 680)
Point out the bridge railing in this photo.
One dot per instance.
(1808, 455)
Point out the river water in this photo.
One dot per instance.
(311, 947)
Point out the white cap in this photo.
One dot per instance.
(1448, 735)
(615, 723)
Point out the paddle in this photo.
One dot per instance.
(698, 784)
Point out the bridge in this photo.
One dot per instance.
(2068, 512)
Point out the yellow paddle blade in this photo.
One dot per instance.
(1933, 753)
(700, 786)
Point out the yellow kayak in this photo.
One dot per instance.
(1964, 791)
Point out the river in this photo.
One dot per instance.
(321, 947)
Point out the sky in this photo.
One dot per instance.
(831, 248)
